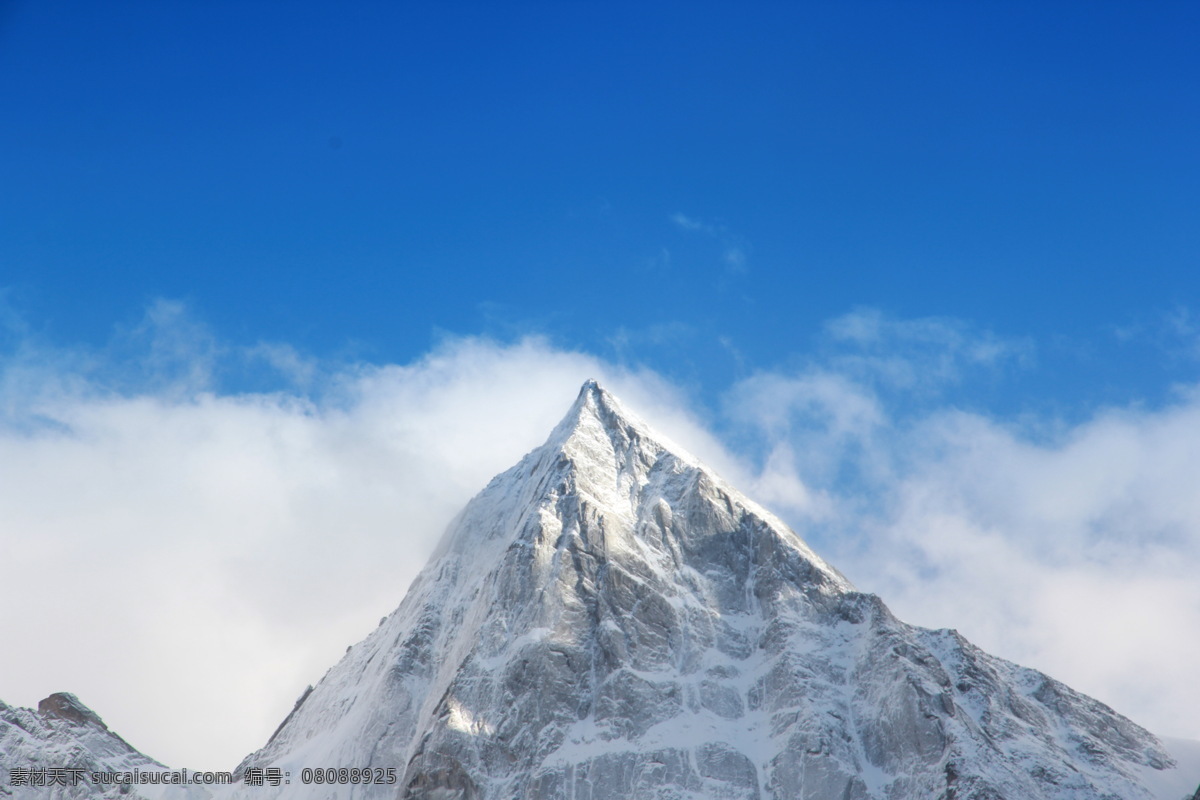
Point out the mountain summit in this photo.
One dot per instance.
(609, 619)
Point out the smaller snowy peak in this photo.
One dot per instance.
(63, 734)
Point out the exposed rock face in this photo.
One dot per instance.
(64, 734)
(609, 620)
(67, 706)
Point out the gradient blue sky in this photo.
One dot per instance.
(283, 284)
(692, 186)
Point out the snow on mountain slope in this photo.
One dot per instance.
(609, 619)
(63, 734)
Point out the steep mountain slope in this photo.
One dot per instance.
(608, 619)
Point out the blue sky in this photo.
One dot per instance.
(920, 276)
(360, 180)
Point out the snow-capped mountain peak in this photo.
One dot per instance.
(609, 619)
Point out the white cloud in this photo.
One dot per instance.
(688, 224)
(1075, 554)
(1172, 335)
(924, 354)
(779, 486)
(735, 259)
(735, 251)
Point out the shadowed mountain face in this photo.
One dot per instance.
(608, 619)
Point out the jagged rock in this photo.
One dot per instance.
(65, 705)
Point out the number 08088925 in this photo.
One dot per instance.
(348, 775)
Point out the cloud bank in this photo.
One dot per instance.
(187, 558)
(1072, 548)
